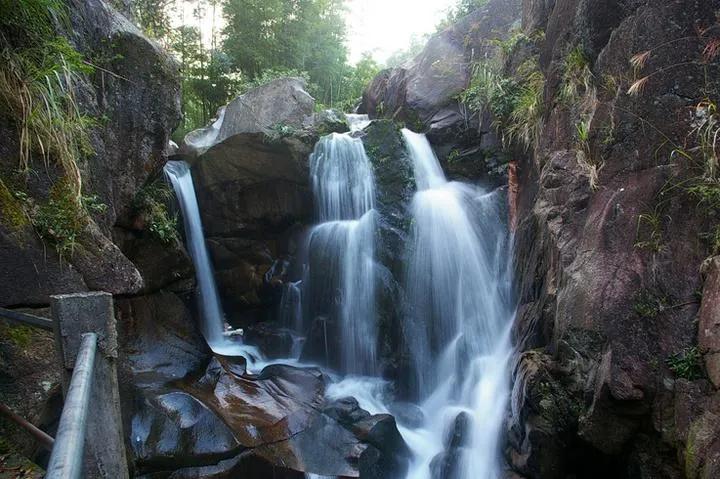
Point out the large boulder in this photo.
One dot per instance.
(279, 103)
(252, 185)
(254, 197)
(133, 96)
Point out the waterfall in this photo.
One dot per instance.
(341, 276)
(459, 310)
(213, 319)
(357, 122)
(203, 139)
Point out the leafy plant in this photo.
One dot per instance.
(62, 218)
(686, 364)
(588, 165)
(39, 71)
(525, 121)
(649, 305)
(151, 203)
(516, 105)
(649, 232)
(11, 207)
(577, 77)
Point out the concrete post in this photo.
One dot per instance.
(74, 315)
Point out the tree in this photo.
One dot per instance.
(302, 35)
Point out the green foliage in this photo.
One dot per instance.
(454, 155)
(11, 208)
(687, 364)
(151, 203)
(61, 219)
(525, 120)
(649, 232)
(38, 74)
(649, 305)
(516, 103)
(577, 76)
(516, 38)
(305, 36)
(153, 16)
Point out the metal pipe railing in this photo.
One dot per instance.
(26, 319)
(40, 436)
(66, 460)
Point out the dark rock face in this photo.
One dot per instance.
(594, 396)
(423, 94)
(254, 196)
(140, 105)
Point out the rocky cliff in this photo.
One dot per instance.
(612, 175)
(126, 94)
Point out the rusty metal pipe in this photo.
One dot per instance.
(43, 438)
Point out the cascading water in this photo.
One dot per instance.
(458, 299)
(458, 315)
(213, 322)
(202, 139)
(341, 246)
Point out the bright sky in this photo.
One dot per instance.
(383, 26)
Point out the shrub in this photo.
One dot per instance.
(11, 208)
(577, 77)
(686, 364)
(515, 104)
(151, 203)
(62, 218)
(38, 74)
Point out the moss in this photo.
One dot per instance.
(11, 208)
(62, 218)
(20, 336)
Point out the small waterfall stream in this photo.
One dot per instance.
(341, 246)
(459, 311)
(213, 319)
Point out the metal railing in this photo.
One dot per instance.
(26, 319)
(86, 340)
(66, 460)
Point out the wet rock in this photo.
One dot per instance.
(459, 433)
(407, 414)
(709, 325)
(175, 430)
(273, 340)
(253, 194)
(160, 340)
(346, 411)
(330, 121)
